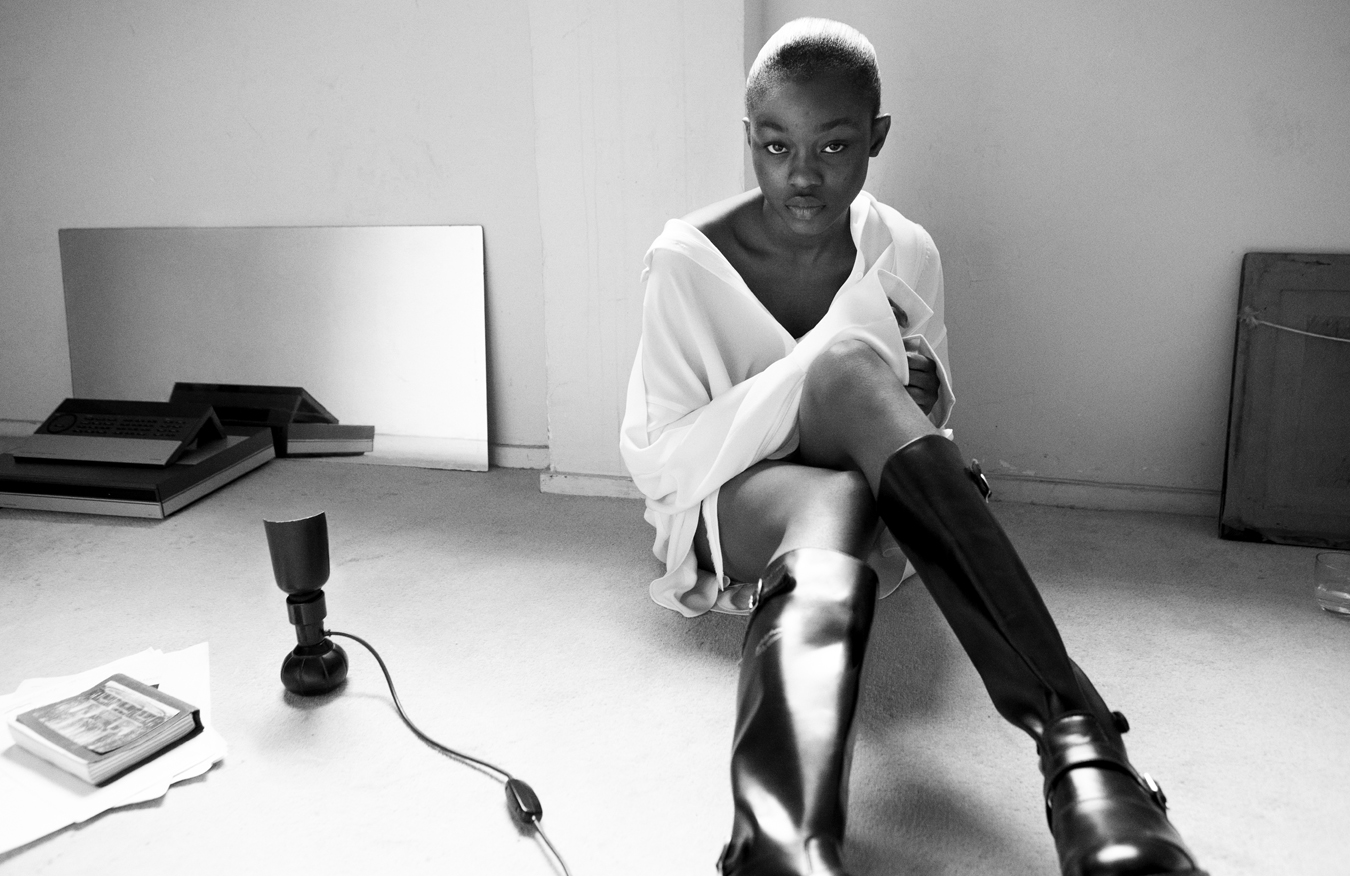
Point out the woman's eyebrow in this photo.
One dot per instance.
(841, 122)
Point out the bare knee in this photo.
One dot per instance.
(848, 371)
(855, 411)
(836, 511)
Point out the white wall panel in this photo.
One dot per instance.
(638, 109)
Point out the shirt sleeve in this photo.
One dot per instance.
(933, 334)
(688, 428)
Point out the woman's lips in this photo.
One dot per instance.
(804, 208)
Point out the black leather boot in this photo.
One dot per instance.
(1107, 819)
(790, 759)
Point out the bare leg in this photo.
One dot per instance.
(775, 507)
(855, 412)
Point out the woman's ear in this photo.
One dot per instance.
(881, 126)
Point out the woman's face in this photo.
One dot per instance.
(810, 143)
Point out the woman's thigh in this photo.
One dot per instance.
(777, 506)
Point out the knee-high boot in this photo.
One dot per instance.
(1107, 819)
(790, 758)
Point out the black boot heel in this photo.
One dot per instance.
(1106, 817)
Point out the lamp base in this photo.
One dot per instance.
(310, 670)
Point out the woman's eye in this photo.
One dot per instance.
(775, 148)
(834, 148)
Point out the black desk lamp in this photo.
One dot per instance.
(299, 551)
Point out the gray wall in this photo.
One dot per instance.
(1092, 174)
(252, 112)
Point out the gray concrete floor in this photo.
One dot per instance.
(517, 626)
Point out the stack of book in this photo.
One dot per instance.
(128, 458)
(150, 459)
(107, 730)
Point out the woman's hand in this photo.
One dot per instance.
(923, 376)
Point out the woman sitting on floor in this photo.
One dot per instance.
(789, 392)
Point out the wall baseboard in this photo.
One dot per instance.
(1061, 493)
(415, 451)
(18, 428)
(1066, 493)
(450, 453)
(565, 484)
(518, 456)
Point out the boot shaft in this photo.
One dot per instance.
(930, 503)
(800, 671)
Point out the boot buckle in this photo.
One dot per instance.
(1155, 793)
(1154, 790)
(981, 482)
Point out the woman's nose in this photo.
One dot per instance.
(804, 171)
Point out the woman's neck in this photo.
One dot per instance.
(771, 234)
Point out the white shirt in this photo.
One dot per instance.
(717, 380)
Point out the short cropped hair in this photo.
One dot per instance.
(808, 47)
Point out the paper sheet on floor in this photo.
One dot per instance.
(36, 798)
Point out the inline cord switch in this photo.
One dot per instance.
(521, 801)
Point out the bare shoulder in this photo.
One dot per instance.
(724, 216)
(726, 224)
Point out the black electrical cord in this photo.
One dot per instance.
(521, 800)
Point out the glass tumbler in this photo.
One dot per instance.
(1332, 574)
